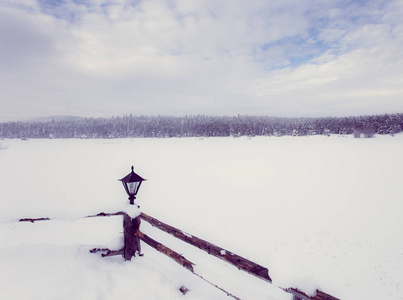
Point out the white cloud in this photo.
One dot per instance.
(214, 57)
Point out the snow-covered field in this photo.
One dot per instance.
(319, 212)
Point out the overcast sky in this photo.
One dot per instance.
(102, 58)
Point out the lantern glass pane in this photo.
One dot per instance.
(132, 187)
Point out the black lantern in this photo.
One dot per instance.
(132, 183)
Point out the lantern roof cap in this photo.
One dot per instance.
(132, 177)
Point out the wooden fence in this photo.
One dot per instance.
(131, 248)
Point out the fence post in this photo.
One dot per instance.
(132, 241)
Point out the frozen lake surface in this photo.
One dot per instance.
(319, 212)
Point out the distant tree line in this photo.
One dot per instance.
(203, 126)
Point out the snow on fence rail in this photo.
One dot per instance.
(133, 235)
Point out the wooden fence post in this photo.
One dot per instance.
(132, 241)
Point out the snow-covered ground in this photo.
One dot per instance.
(319, 212)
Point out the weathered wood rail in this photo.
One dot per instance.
(298, 295)
(219, 252)
(178, 258)
(33, 220)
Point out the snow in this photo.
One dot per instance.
(132, 210)
(319, 212)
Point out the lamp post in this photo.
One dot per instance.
(132, 183)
